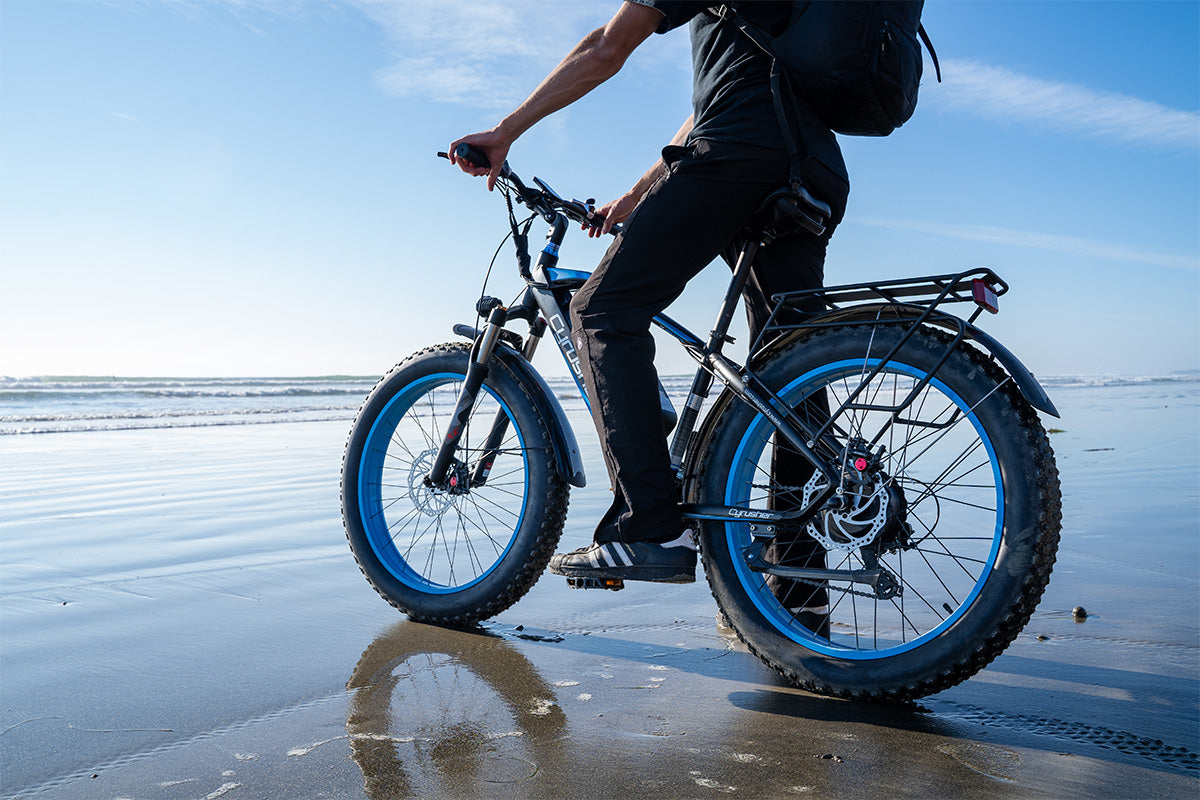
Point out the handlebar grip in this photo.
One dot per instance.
(469, 153)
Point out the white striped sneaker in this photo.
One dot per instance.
(664, 562)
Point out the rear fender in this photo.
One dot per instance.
(1031, 390)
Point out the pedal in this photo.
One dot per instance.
(615, 584)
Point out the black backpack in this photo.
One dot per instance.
(856, 64)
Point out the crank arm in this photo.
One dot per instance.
(883, 582)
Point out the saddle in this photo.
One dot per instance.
(788, 210)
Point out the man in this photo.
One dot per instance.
(685, 211)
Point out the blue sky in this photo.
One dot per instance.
(237, 187)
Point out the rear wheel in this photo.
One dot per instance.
(466, 551)
(947, 484)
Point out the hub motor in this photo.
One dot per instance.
(433, 501)
(871, 506)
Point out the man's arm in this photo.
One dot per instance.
(594, 60)
(617, 211)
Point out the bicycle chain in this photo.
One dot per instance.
(826, 587)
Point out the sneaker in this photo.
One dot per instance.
(663, 562)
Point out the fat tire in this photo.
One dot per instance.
(1030, 530)
(545, 504)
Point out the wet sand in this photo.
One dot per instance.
(180, 618)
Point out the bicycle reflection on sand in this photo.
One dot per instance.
(462, 713)
(439, 712)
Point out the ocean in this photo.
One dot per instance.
(56, 404)
(60, 404)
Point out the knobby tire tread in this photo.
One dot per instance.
(550, 531)
(1049, 522)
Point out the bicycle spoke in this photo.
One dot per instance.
(444, 536)
(934, 466)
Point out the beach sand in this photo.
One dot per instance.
(180, 617)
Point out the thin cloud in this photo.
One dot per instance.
(1041, 241)
(998, 93)
(480, 53)
(483, 53)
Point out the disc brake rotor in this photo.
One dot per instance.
(859, 519)
(429, 502)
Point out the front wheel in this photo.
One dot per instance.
(469, 550)
(946, 484)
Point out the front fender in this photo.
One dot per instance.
(562, 436)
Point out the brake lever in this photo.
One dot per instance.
(588, 207)
(545, 187)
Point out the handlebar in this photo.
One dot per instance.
(543, 200)
(469, 153)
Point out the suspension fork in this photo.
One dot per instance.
(477, 371)
(526, 309)
(491, 447)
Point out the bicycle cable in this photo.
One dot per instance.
(514, 232)
(487, 275)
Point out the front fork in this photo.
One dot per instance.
(440, 476)
(491, 447)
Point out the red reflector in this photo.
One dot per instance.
(985, 296)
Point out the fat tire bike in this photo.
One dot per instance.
(932, 498)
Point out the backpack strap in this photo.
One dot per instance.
(797, 153)
(728, 11)
(932, 53)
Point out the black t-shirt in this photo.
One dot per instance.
(731, 94)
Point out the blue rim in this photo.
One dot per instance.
(737, 537)
(371, 506)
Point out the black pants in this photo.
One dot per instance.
(688, 219)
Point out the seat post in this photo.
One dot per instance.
(741, 274)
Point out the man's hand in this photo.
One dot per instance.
(614, 213)
(594, 60)
(493, 144)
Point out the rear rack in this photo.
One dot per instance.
(921, 296)
(807, 307)
(931, 290)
